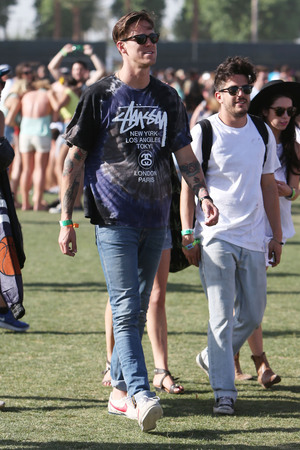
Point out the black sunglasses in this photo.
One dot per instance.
(233, 90)
(279, 110)
(141, 39)
(27, 72)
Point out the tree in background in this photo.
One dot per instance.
(4, 5)
(64, 19)
(121, 7)
(230, 20)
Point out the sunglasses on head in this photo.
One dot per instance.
(233, 90)
(279, 110)
(141, 39)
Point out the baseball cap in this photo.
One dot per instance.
(4, 69)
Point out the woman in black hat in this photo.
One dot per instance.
(278, 103)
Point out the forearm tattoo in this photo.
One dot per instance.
(72, 172)
(70, 196)
(193, 175)
(79, 155)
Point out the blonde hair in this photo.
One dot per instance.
(19, 87)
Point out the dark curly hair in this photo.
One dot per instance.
(236, 65)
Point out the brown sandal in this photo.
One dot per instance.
(172, 388)
(106, 379)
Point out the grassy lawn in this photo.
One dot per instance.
(50, 377)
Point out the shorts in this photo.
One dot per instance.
(40, 144)
(9, 134)
(168, 240)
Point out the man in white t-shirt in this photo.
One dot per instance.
(232, 266)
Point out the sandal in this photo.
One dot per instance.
(106, 379)
(173, 388)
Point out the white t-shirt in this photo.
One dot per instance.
(233, 178)
(298, 135)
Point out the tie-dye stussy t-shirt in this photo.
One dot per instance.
(129, 135)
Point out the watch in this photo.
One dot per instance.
(206, 197)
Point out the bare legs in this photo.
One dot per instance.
(156, 316)
(26, 178)
(265, 375)
(156, 326)
(39, 177)
(255, 341)
(110, 342)
(15, 171)
(34, 166)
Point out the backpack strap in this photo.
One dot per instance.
(262, 129)
(207, 138)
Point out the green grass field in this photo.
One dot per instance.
(50, 377)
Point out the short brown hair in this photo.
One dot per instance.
(235, 65)
(120, 29)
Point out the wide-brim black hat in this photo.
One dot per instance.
(274, 88)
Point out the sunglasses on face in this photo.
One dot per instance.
(279, 110)
(27, 72)
(233, 90)
(141, 39)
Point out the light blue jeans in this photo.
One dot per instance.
(130, 258)
(233, 278)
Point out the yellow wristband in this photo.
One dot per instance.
(293, 194)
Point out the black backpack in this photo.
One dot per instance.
(207, 138)
(178, 260)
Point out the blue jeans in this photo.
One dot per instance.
(130, 258)
(233, 278)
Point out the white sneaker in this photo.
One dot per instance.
(55, 209)
(202, 361)
(149, 411)
(123, 407)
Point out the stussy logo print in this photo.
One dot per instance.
(136, 115)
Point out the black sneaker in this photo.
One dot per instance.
(224, 405)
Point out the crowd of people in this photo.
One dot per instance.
(115, 135)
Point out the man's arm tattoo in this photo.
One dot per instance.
(70, 196)
(73, 172)
(192, 174)
(79, 155)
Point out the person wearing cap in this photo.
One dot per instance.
(277, 103)
(6, 76)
